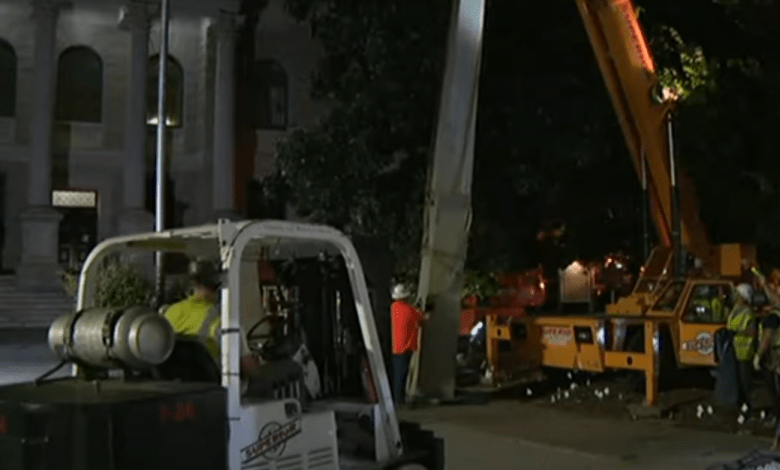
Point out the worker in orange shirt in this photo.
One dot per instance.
(406, 321)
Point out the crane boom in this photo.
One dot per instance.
(630, 75)
(644, 113)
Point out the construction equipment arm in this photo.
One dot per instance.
(644, 113)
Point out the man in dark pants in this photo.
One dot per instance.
(742, 322)
(768, 354)
(406, 321)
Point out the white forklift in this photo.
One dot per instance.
(125, 408)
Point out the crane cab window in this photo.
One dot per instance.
(670, 297)
(708, 303)
(647, 286)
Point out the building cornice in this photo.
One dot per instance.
(179, 8)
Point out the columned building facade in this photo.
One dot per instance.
(78, 115)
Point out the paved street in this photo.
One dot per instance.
(24, 355)
(502, 435)
(511, 435)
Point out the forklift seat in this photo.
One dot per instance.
(190, 361)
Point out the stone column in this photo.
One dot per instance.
(135, 19)
(39, 221)
(224, 127)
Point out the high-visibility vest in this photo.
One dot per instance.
(739, 322)
(776, 342)
(701, 302)
(717, 310)
(199, 319)
(702, 306)
(715, 307)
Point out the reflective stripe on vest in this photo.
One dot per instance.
(203, 333)
(738, 322)
(776, 343)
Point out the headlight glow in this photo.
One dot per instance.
(477, 328)
(601, 335)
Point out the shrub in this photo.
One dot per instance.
(120, 284)
(480, 284)
(70, 282)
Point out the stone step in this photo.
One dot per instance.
(41, 311)
(15, 288)
(24, 315)
(30, 321)
(22, 300)
(12, 284)
(21, 312)
(20, 308)
(9, 282)
(9, 294)
(5, 301)
(45, 306)
(33, 295)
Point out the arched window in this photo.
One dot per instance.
(7, 80)
(270, 100)
(174, 91)
(79, 85)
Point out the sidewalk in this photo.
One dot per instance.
(494, 434)
(24, 354)
(29, 336)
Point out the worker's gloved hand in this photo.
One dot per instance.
(757, 362)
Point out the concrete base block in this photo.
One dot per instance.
(643, 411)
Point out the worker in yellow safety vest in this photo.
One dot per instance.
(768, 354)
(198, 316)
(708, 305)
(716, 305)
(742, 322)
(701, 304)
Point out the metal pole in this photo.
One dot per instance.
(159, 223)
(679, 261)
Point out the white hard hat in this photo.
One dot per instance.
(745, 291)
(400, 291)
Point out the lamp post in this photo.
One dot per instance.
(159, 223)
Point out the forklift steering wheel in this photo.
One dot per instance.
(266, 336)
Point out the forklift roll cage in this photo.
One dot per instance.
(234, 242)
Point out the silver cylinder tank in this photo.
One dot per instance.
(135, 337)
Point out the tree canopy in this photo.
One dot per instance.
(548, 143)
